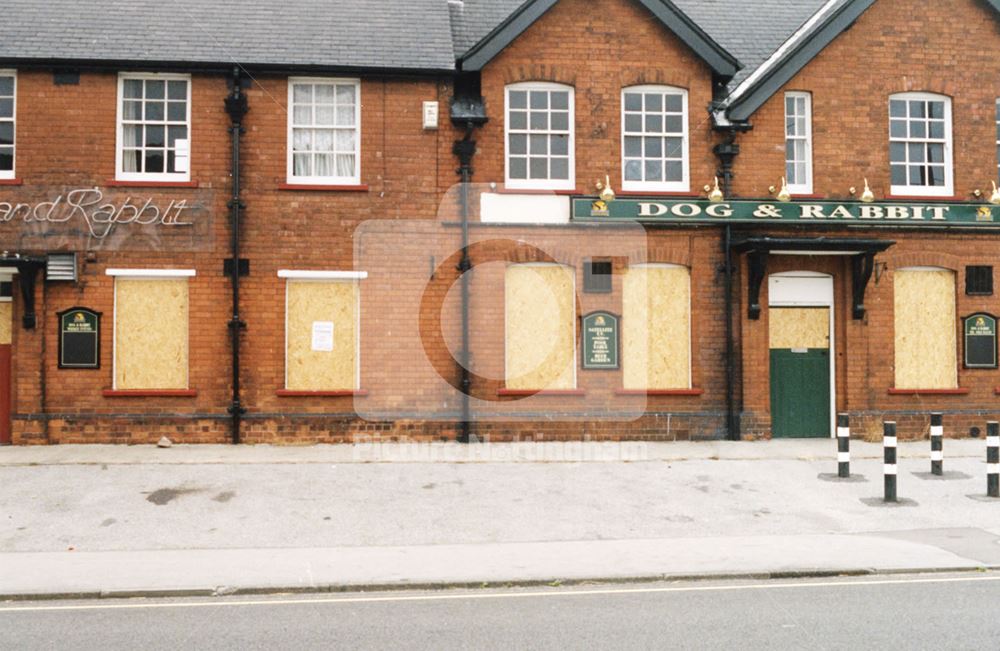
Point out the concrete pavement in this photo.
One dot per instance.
(92, 520)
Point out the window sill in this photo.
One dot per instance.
(926, 197)
(306, 187)
(660, 392)
(115, 183)
(289, 393)
(540, 191)
(149, 393)
(11, 182)
(657, 193)
(541, 392)
(928, 392)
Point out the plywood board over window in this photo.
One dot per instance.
(799, 327)
(925, 332)
(316, 359)
(151, 333)
(6, 318)
(540, 327)
(656, 327)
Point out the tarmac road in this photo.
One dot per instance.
(914, 612)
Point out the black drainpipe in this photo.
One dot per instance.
(236, 107)
(726, 152)
(465, 149)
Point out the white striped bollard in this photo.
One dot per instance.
(843, 446)
(937, 444)
(889, 460)
(993, 459)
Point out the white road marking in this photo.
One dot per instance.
(495, 595)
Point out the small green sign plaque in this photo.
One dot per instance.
(79, 338)
(980, 341)
(600, 341)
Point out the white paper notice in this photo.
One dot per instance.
(322, 340)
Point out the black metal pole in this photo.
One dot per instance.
(732, 426)
(889, 459)
(993, 459)
(843, 445)
(937, 444)
(236, 107)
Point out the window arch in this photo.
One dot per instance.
(920, 144)
(655, 138)
(539, 136)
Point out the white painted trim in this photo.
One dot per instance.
(152, 273)
(8, 270)
(825, 299)
(539, 184)
(295, 274)
(807, 186)
(780, 52)
(119, 128)
(291, 179)
(946, 190)
(12, 173)
(678, 186)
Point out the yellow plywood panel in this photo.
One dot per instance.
(799, 327)
(656, 327)
(6, 322)
(925, 331)
(541, 332)
(313, 365)
(151, 333)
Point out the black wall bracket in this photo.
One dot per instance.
(27, 277)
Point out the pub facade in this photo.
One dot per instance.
(544, 220)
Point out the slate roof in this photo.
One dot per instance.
(405, 35)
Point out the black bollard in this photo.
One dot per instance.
(937, 444)
(843, 445)
(993, 459)
(889, 460)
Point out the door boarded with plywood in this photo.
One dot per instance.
(800, 371)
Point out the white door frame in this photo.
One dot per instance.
(807, 289)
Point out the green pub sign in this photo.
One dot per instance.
(980, 341)
(600, 341)
(79, 338)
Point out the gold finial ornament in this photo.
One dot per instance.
(995, 197)
(715, 196)
(867, 196)
(783, 194)
(607, 194)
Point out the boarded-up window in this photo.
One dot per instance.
(924, 304)
(540, 327)
(321, 344)
(151, 333)
(5, 322)
(656, 327)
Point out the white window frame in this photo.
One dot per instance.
(805, 187)
(355, 277)
(354, 179)
(946, 190)
(12, 172)
(121, 175)
(149, 274)
(998, 136)
(684, 185)
(569, 183)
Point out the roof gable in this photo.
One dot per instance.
(795, 53)
(678, 22)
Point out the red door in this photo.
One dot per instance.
(4, 394)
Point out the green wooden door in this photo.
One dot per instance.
(800, 393)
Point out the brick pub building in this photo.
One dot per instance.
(248, 221)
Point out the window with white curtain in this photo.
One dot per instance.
(798, 142)
(920, 144)
(154, 127)
(8, 87)
(324, 131)
(654, 138)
